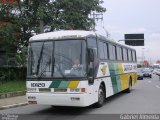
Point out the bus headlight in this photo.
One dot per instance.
(74, 90)
(78, 90)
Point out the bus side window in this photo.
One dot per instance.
(119, 53)
(112, 52)
(134, 56)
(129, 55)
(103, 50)
(105, 45)
(125, 54)
(100, 50)
(92, 44)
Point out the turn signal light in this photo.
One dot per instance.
(83, 89)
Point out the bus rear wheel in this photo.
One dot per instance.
(101, 96)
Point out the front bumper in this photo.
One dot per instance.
(80, 100)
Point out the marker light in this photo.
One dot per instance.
(83, 89)
(32, 102)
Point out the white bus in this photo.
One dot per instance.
(104, 68)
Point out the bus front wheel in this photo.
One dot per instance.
(101, 96)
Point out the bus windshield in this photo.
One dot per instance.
(57, 59)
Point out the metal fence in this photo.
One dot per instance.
(11, 68)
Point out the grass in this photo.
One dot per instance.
(12, 86)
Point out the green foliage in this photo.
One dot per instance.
(12, 73)
(74, 14)
(60, 14)
(28, 16)
(8, 36)
(12, 86)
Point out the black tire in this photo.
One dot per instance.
(101, 96)
(128, 90)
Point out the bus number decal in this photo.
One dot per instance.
(37, 84)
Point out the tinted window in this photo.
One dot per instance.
(112, 52)
(92, 43)
(105, 47)
(119, 53)
(129, 55)
(125, 54)
(101, 51)
(134, 55)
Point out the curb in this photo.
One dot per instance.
(13, 106)
(12, 94)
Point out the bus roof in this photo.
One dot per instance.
(62, 35)
(70, 34)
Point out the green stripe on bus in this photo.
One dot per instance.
(55, 84)
(113, 70)
(64, 84)
(118, 82)
(117, 72)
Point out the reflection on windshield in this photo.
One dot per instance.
(40, 58)
(65, 54)
(57, 59)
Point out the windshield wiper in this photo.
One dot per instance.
(44, 69)
(39, 59)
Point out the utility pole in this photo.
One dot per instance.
(143, 57)
(99, 17)
(96, 17)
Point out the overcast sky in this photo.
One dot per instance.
(135, 16)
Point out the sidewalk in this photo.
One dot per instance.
(13, 102)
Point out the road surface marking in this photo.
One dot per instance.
(13, 105)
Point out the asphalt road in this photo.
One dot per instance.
(143, 99)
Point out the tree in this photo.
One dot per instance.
(74, 14)
(60, 14)
(30, 16)
(10, 31)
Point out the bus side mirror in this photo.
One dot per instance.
(91, 80)
(90, 55)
